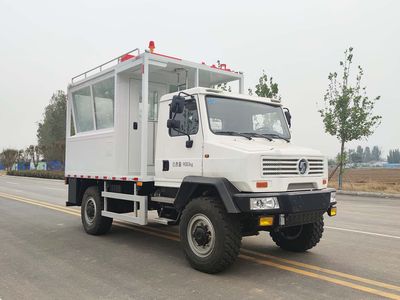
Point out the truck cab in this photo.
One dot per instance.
(152, 132)
(231, 132)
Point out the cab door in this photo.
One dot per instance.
(155, 92)
(175, 159)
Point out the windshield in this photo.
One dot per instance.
(234, 116)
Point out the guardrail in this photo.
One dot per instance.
(101, 67)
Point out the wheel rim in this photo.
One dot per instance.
(292, 233)
(201, 235)
(90, 210)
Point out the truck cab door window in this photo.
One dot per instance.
(189, 120)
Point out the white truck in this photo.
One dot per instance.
(148, 131)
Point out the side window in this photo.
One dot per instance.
(104, 103)
(189, 119)
(153, 106)
(72, 132)
(83, 109)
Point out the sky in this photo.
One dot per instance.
(45, 43)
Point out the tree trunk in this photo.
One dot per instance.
(341, 169)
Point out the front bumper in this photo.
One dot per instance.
(295, 208)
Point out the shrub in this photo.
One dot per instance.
(38, 174)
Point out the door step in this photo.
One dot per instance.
(164, 221)
(140, 210)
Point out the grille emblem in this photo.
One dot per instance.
(302, 166)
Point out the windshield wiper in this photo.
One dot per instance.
(276, 136)
(234, 133)
(258, 135)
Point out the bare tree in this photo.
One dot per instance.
(34, 154)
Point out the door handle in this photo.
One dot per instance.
(165, 165)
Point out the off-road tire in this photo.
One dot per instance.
(227, 237)
(309, 236)
(99, 224)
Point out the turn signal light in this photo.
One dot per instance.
(324, 181)
(266, 221)
(332, 211)
(262, 184)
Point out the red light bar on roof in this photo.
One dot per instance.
(126, 57)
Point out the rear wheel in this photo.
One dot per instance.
(299, 238)
(210, 237)
(92, 220)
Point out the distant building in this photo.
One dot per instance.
(391, 166)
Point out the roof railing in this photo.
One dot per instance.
(101, 67)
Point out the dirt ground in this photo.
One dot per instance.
(369, 180)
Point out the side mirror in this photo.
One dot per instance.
(173, 124)
(288, 116)
(177, 104)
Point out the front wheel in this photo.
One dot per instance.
(210, 237)
(299, 238)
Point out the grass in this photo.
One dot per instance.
(377, 180)
(38, 174)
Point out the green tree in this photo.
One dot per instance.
(352, 156)
(376, 153)
(331, 162)
(8, 157)
(223, 86)
(360, 153)
(348, 111)
(367, 154)
(394, 156)
(51, 132)
(266, 87)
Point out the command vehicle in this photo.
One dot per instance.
(152, 132)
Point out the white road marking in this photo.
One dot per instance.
(364, 232)
(56, 189)
(10, 182)
(22, 178)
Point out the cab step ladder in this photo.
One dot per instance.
(165, 221)
(140, 211)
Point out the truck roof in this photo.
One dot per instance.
(163, 69)
(220, 93)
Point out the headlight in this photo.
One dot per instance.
(333, 197)
(264, 203)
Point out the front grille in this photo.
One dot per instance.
(289, 166)
(303, 218)
(301, 186)
(316, 166)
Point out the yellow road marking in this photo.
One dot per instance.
(322, 277)
(303, 265)
(40, 203)
(323, 270)
(173, 236)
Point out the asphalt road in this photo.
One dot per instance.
(45, 254)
